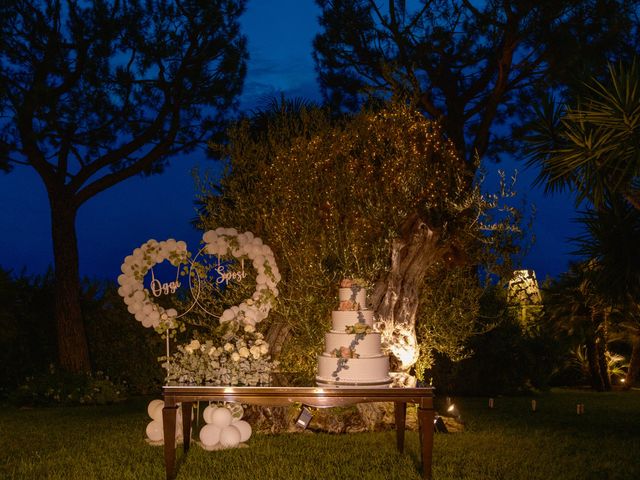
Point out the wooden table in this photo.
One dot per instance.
(309, 396)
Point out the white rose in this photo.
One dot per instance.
(228, 347)
(256, 352)
(249, 328)
(264, 348)
(193, 346)
(235, 356)
(244, 352)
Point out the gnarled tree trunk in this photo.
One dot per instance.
(396, 296)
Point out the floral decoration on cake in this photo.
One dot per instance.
(345, 352)
(348, 305)
(358, 329)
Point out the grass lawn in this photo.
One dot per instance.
(508, 442)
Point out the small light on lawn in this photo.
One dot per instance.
(451, 408)
(304, 418)
(534, 405)
(491, 403)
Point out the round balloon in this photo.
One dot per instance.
(229, 436)
(154, 431)
(221, 417)
(153, 404)
(207, 413)
(156, 413)
(244, 428)
(209, 435)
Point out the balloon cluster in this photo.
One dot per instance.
(155, 428)
(224, 427)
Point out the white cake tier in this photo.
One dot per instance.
(365, 345)
(341, 319)
(372, 370)
(355, 294)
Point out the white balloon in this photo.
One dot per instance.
(152, 406)
(138, 295)
(210, 435)
(154, 431)
(208, 412)
(230, 436)
(221, 417)
(244, 428)
(156, 412)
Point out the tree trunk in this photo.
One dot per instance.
(396, 296)
(73, 351)
(634, 363)
(594, 367)
(603, 367)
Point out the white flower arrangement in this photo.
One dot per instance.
(135, 267)
(243, 360)
(227, 241)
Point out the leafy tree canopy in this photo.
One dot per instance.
(94, 92)
(477, 66)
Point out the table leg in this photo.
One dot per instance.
(169, 430)
(400, 409)
(426, 417)
(187, 408)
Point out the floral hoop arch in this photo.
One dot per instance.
(135, 268)
(224, 242)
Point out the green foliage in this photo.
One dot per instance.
(120, 348)
(27, 338)
(505, 356)
(57, 387)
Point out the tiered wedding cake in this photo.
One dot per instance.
(352, 354)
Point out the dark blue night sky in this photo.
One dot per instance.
(111, 225)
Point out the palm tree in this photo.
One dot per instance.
(593, 147)
(575, 308)
(612, 241)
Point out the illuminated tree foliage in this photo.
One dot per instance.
(379, 196)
